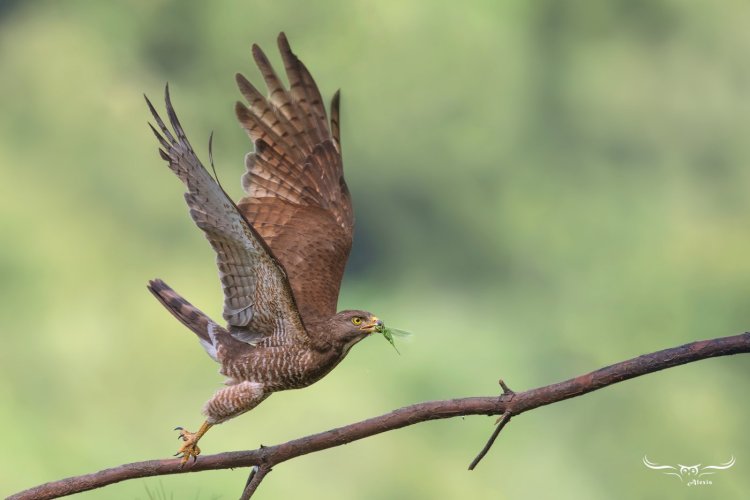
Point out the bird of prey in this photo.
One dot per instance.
(281, 249)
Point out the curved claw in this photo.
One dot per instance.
(190, 447)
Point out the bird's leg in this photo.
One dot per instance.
(225, 404)
(190, 446)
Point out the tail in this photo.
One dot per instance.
(187, 313)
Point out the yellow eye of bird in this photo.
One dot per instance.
(357, 320)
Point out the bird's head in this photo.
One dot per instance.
(349, 327)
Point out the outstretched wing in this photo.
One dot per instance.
(296, 195)
(258, 301)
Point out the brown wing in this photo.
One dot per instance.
(258, 301)
(296, 195)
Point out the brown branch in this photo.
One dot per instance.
(504, 419)
(253, 480)
(268, 457)
(506, 396)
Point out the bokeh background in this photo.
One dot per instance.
(541, 188)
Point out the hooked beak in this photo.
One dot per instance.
(372, 326)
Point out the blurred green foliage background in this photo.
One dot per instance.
(542, 188)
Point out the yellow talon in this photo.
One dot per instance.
(190, 446)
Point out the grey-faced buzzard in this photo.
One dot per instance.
(280, 250)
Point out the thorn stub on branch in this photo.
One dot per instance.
(507, 391)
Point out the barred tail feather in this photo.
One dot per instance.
(187, 314)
